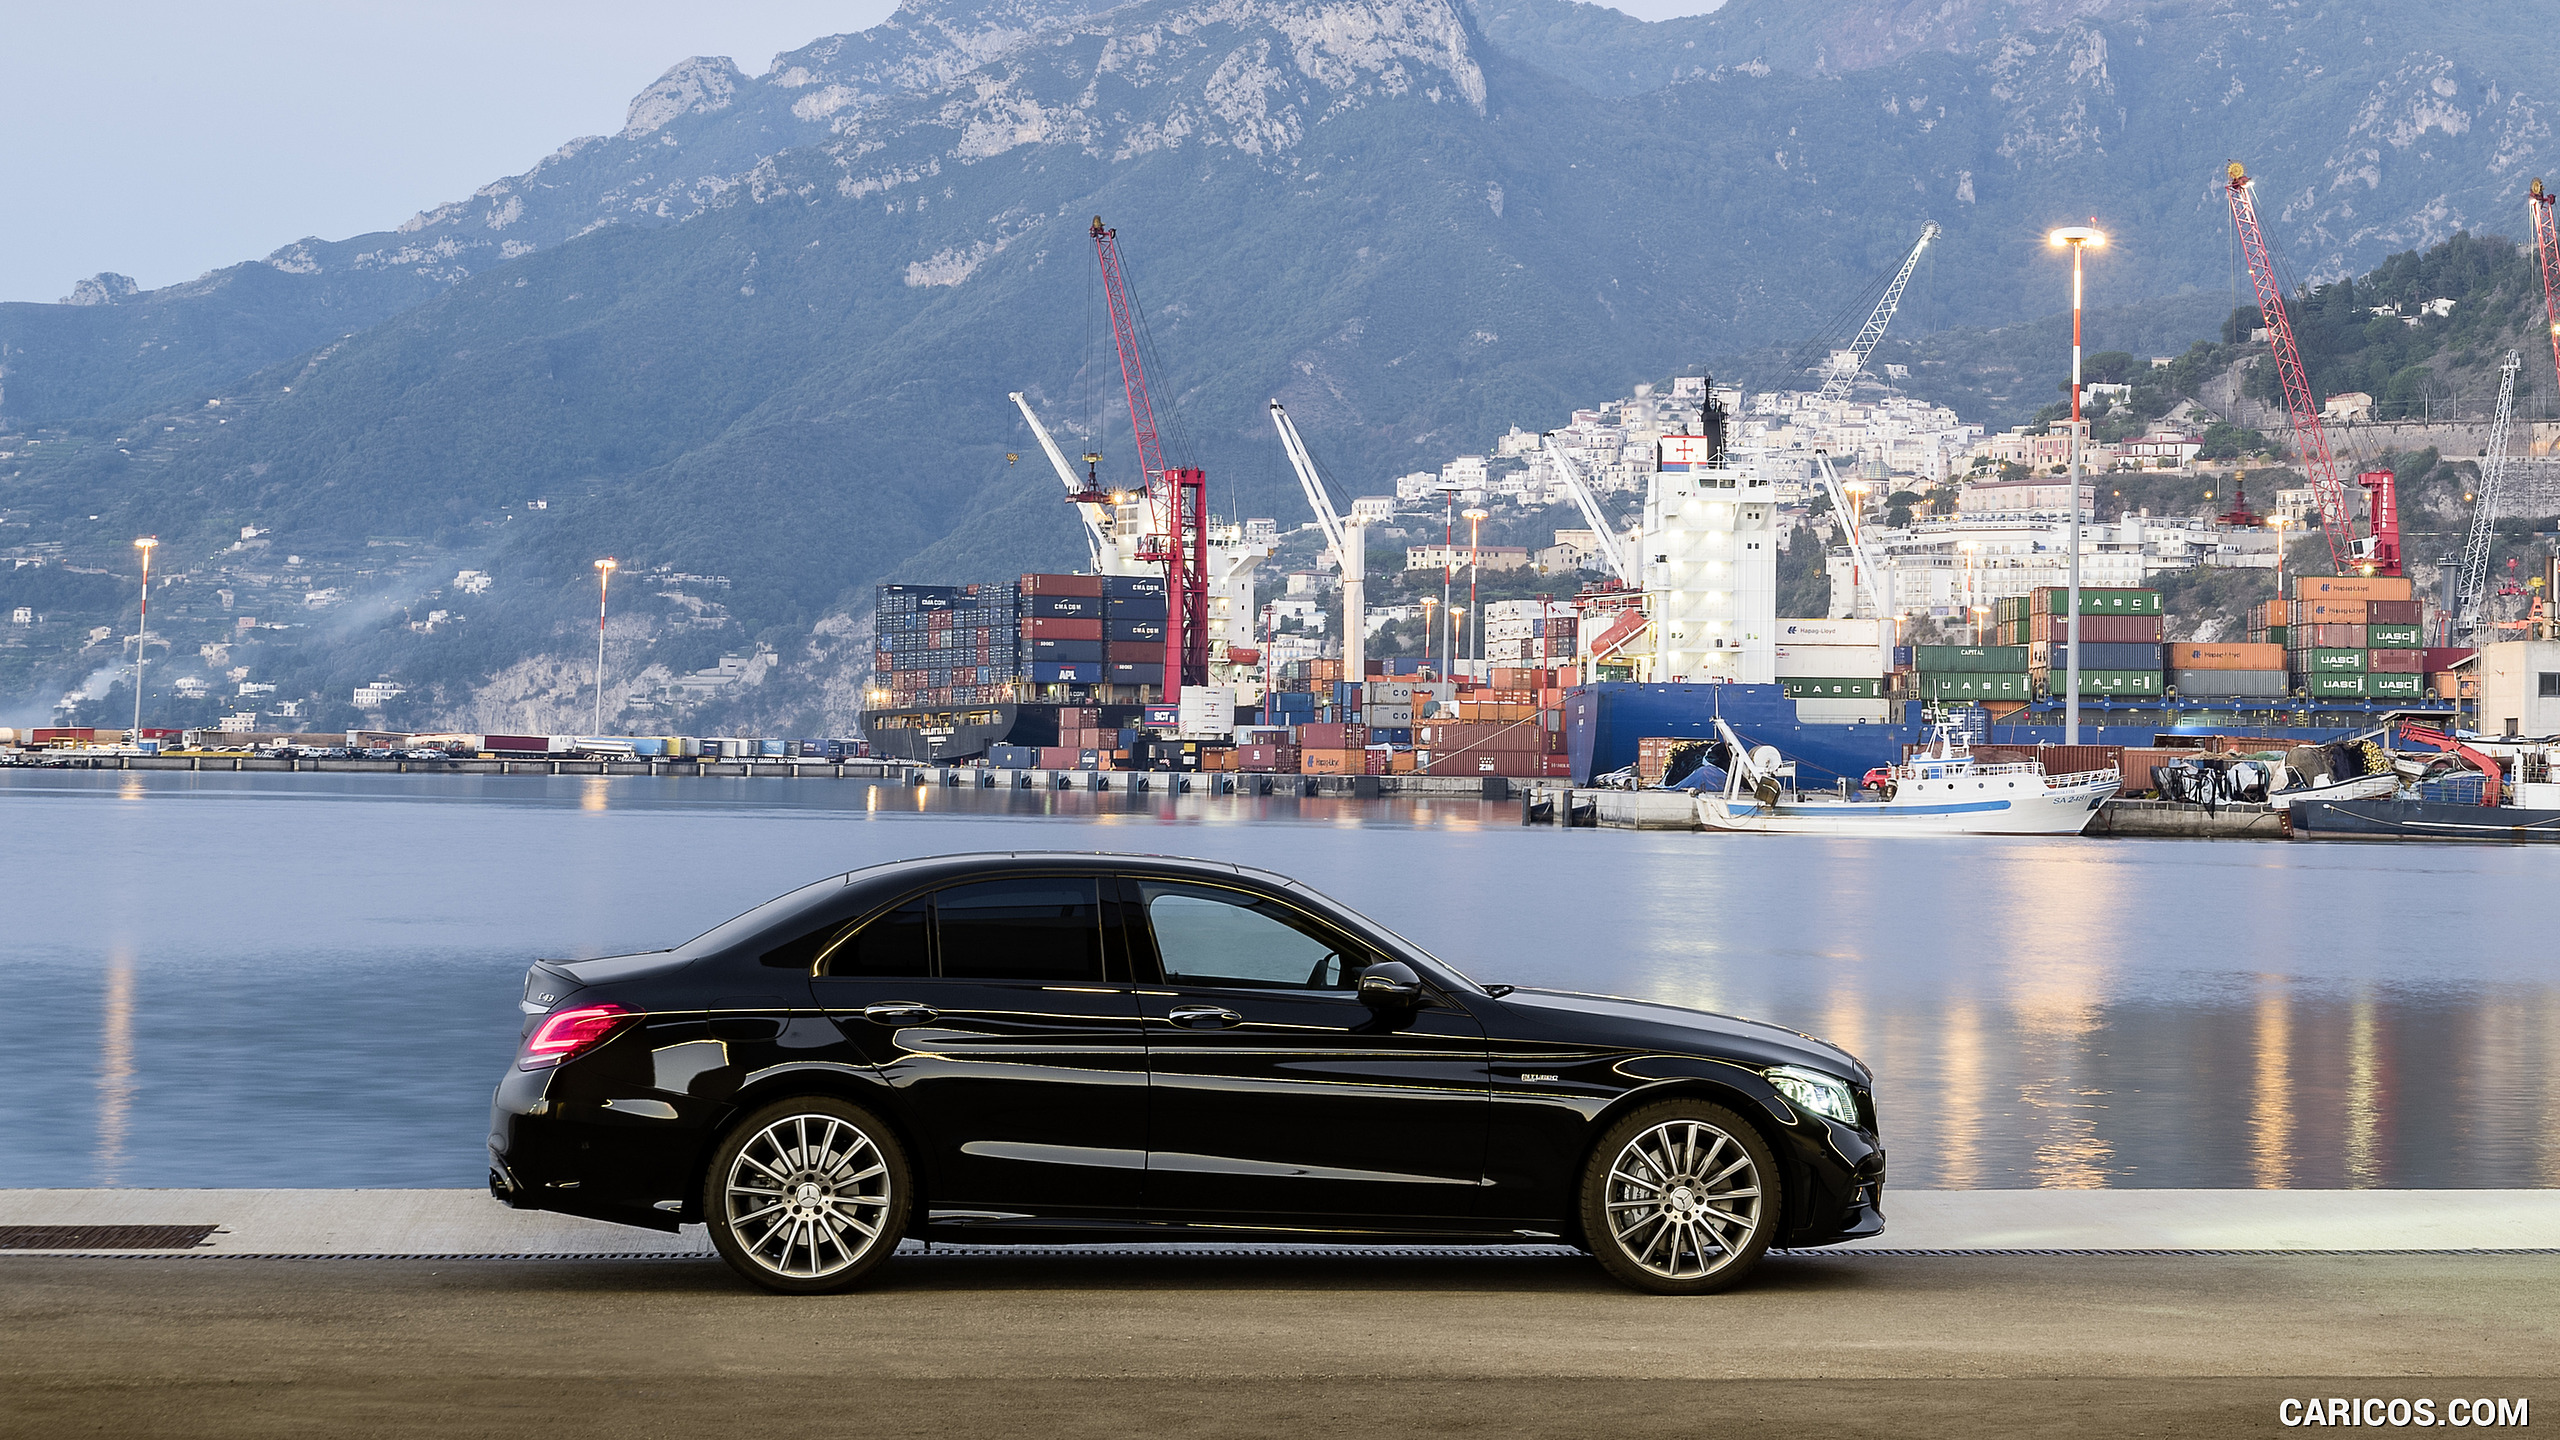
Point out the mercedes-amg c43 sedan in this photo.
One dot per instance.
(1077, 1047)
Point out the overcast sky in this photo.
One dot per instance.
(165, 138)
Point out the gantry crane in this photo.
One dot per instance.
(2311, 442)
(2472, 592)
(1177, 497)
(1346, 539)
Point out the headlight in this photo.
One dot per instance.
(1822, 1094)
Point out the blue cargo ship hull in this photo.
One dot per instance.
(1604, 722)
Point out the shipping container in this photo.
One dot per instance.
(2445, 657)
(2394, 636)
(2230, 684)
(1984, 659)
(1333, 762)
(2394, 612)
(2113, 682)
(1122, 585)
(1134, 632)
(2342, 686)
(2226, 657)
(1968, 685)
(2098, 629)
(2394, 686)
(2329, 637)
(2329, 662)
(1268, 759)
(1135, 608)
(1811, 660)
(1332, 737)
(1134, 672)
(2351, 587)
(1042, 648)
(2051, 600)
(1081, 673)
(1057, 627)
(1866, 633)
(2095, 655)
(2328, 612)
(1062, 585)
(2395, 662)
(1833, 688)
(1063, 607)
(1844, 712)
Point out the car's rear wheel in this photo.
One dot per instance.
(807, 1196)
(1680, 1198)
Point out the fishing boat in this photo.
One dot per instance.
(1939, 790)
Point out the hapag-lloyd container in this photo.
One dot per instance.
(2226, 657)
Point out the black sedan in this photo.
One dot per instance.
(1048, 1047)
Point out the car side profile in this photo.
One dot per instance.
(1080, 1047)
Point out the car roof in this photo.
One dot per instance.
(1075, 859)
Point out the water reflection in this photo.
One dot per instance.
(2038, 1014)
(115, 1070)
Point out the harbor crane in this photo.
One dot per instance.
(2546, 245)
(1862, 570)
(1083, 491)
(2310, 441)
(2471, 592)
(1177, 496)
(1346, 538)
(1612, 551)
(1871, 334)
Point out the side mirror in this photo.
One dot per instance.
(1390, 985)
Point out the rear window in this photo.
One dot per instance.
(783, 917)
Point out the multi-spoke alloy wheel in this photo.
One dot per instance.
(807, 1196)
(1681, 1198)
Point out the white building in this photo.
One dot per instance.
(1373, 509)
(239, 722)
(378, 694)
(2520, 687)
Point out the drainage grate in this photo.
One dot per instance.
(104, 1237)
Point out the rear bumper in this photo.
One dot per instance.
(544, 1154)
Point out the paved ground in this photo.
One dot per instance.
(1064, 1348)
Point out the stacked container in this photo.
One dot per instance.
(2228, 672)
(1834, 670)
(1135, 617)
(2355, 637)
(946, 644)
(1971, 674)
(2120, 631)
(1528, 632)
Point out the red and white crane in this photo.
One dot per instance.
(2546, 244)
(1177, 498)
(2378, 554)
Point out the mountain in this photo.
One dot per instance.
(765, 333)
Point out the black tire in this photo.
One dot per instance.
(807, 1196)
(1680, 1198)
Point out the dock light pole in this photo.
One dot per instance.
(1475, 564)
(2077, 238)
(142, 642)
(2276, 523)
(1428, 604)
(604, 582)
(1448, 576)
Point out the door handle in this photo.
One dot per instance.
(1204, 1017)
(895, 1012)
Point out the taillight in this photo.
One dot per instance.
(568, 1034)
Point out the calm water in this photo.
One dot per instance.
(310, 980)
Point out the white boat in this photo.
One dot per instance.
(2359, 787)
(1941, 790)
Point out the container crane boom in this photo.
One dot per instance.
(1863, 569)
(1177, 497)
(1097, 533)
(1871, 334)
(2310, 441)
(2473, 589)
(1347, 541)
(1611, 550)
(2546, 244)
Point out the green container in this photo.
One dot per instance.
(1972, 685)
(2394, 637)
(2336, 687)
(1974, 659)
(2008, 608)
(2276, 634)
(2381, 686)
(2331, 662)
(1846, 688)
(2119, 682)
(2099, 602)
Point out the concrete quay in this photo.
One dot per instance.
(1254, 1341)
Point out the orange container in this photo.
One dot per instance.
(2329, 612)
(2352, 587)
(2226, 657)
(1333, 762)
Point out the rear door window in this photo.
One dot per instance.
(1042, 928)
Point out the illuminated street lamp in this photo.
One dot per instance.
(142, 642)
(1475, 557)
(2276, 523)
(1428, 604)
(2077, 238)
(604, 582)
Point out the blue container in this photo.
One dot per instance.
(1135, 607)
(776, 748)
(650, 745)
(1132, 672)
(1065, 607)
(1128, 737)
(1040, 648)
(1133, 632)
(1087, 672)
(1391, 735)
(1126, 585)
(1014, 757)
(1901, 657)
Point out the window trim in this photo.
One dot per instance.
(1117, 967)
(1141, 923)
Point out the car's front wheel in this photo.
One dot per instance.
(1680, 1198)
(807, 1196)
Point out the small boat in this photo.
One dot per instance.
(1940, 790)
